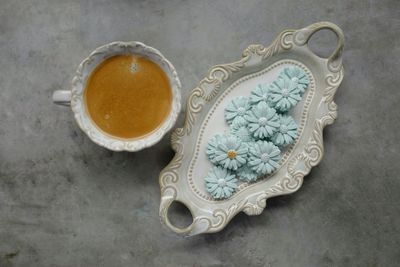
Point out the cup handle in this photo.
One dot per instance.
(62, 97)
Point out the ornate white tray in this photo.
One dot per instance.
(183, 179)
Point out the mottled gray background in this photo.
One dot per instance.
(66, 202)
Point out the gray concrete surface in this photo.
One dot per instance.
(66, 202)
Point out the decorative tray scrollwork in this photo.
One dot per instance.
(183, 179)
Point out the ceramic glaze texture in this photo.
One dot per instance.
(182, 179)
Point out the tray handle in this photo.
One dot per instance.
(166, 202)
(200, 223)
(302, 37)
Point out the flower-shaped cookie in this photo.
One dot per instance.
(284, 94)
(260, 93)
(220, 183)
(212, 146)
(287, 131)
(236, 110)
(231, 152)
(241, 130)
(264, 157)
(263, 121)
(246, 174)
(298, 77)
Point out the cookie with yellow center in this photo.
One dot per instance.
(231, 152)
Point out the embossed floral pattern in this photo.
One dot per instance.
(284, 94)
(287, 131)
(263, 121)
(298, 77)
(231, 152)
(264, 157)
(220, 183)
(236, 110)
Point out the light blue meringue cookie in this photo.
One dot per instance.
(287, 131)
(263, 121)
(236, 110)
(298, 76)
(284, 94)
(220, 183)
(231, 153)
(212, 145)
(247, 174)
(242, 131)
(264, 157)
(260, 94)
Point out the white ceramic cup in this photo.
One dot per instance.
(74, 96)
